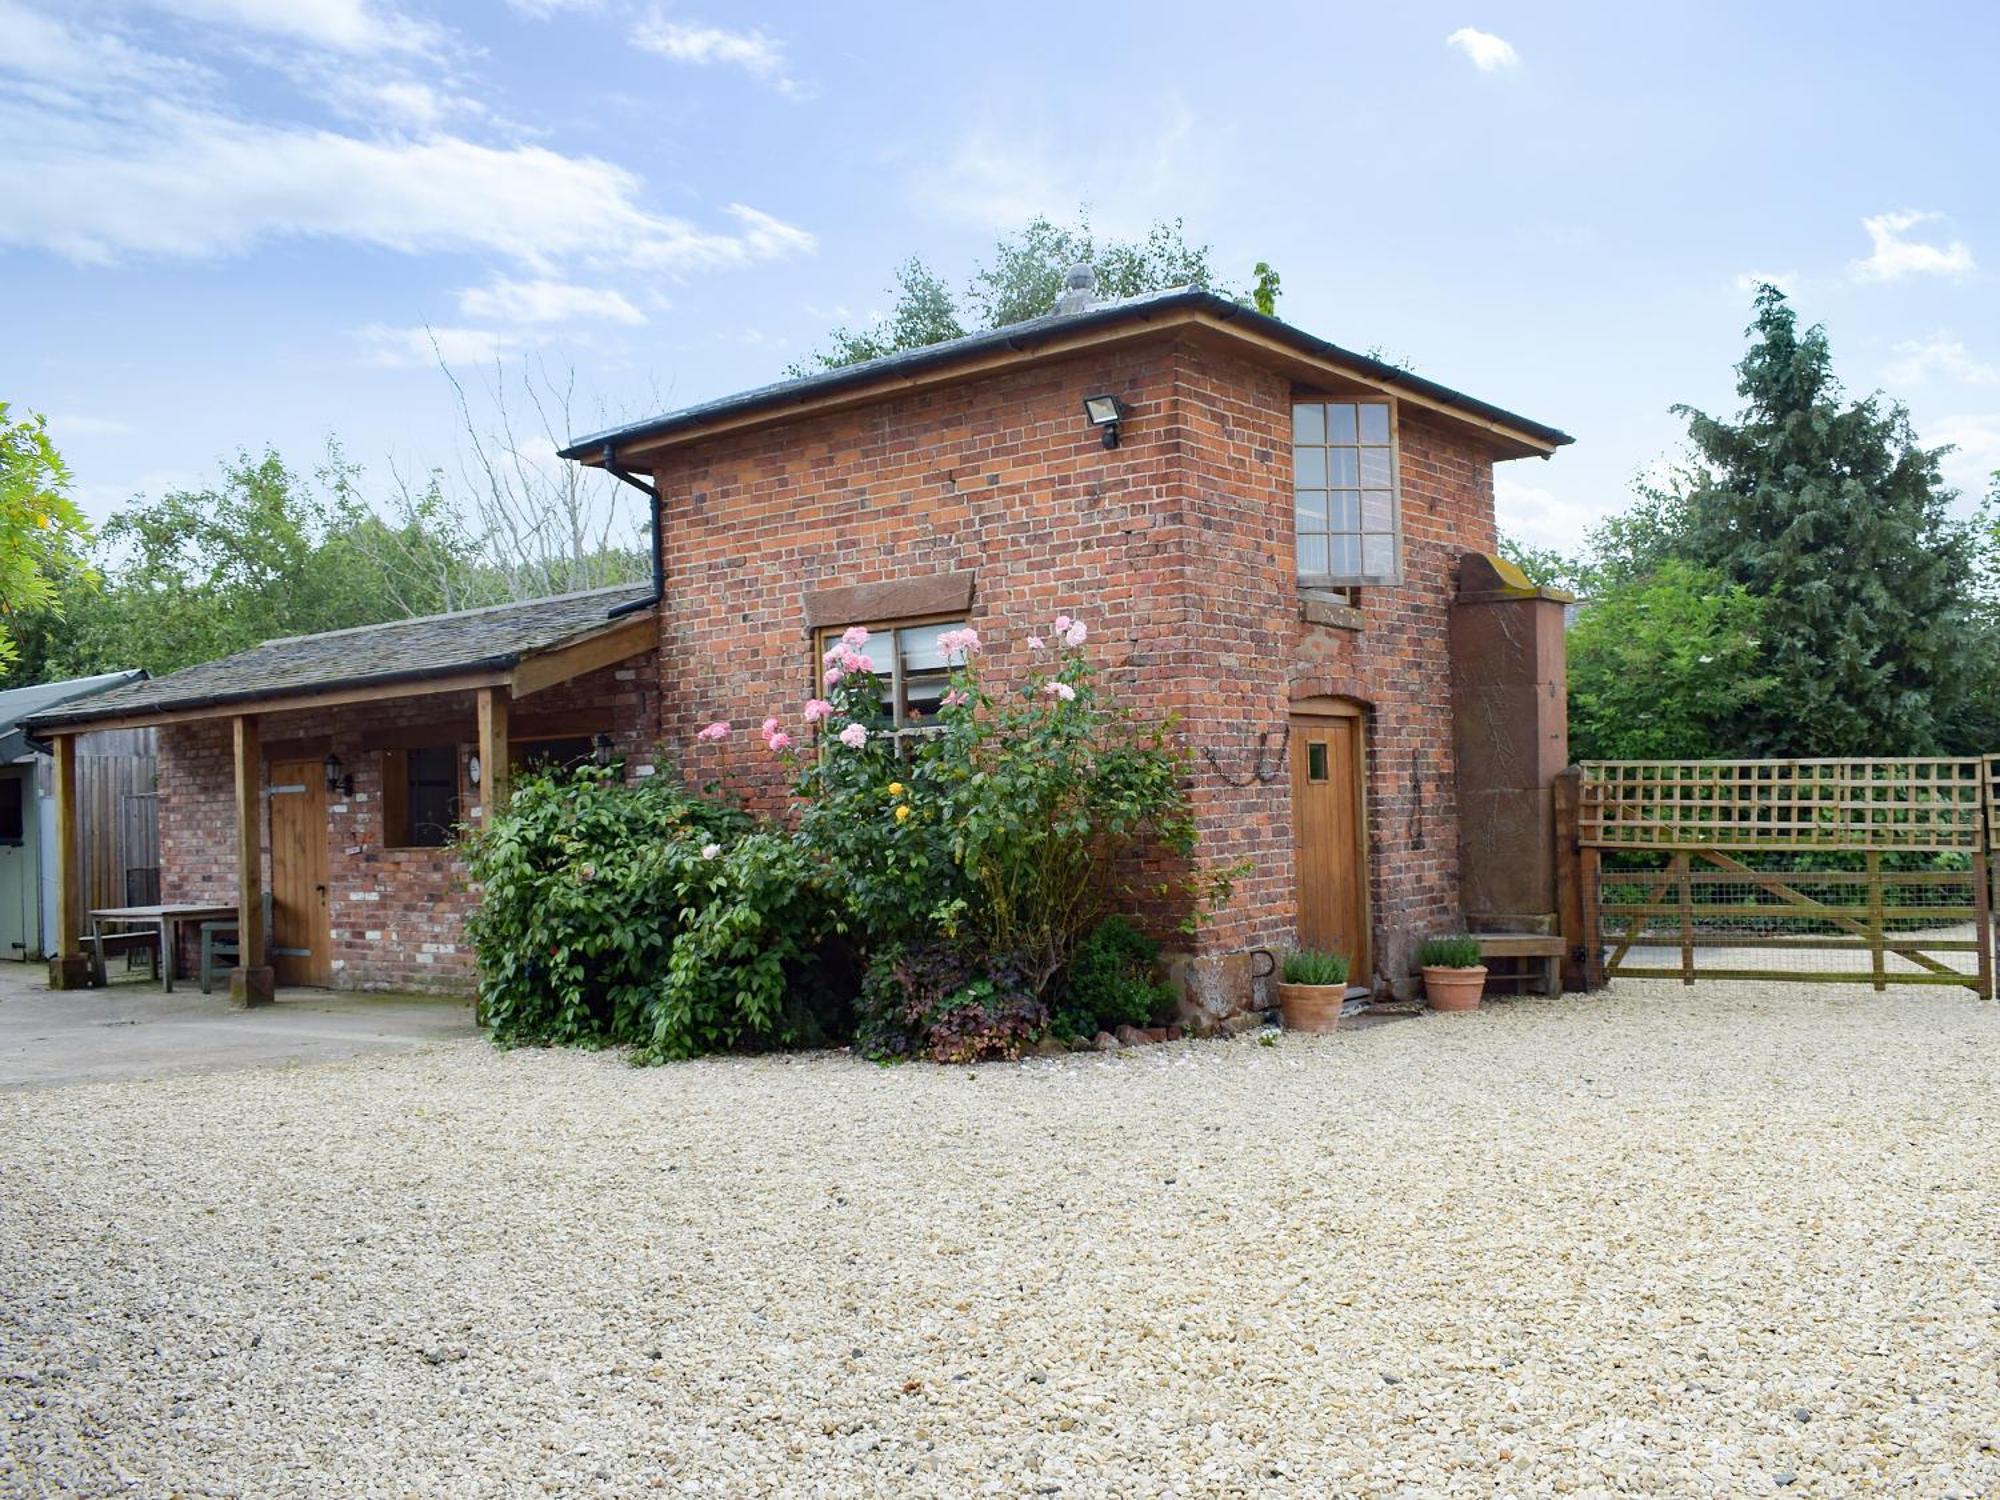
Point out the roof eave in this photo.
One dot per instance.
(875, 379)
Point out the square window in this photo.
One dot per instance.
(1309, 468)
(912, 672)
(1374, 423)
(1340, 422)
(1313, 556)
(1308, 422)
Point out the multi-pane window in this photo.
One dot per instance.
(910, 668)
(1344, 492)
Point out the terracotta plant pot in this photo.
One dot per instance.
(1311, 1007)
(1454, 989)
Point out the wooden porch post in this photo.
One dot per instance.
(492, 751)
(251, 981)
(69, 969)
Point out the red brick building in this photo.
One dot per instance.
(1265, 541)
(1268, 546)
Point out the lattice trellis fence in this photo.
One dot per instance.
(1868, 871)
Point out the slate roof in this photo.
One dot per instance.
(471, 640)
(1137, 309)
(22, 703)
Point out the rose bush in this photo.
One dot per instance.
(962, 862)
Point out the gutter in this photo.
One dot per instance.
(652, 493)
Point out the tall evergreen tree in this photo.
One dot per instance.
(1828, 512)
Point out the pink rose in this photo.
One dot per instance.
(719, 730)
(833, 676)
(854, 637)
(1061, 690)
(1077, 633)
(959, 642)
(817, 709)
(1062, 624)
(854, 736)
(770, 727)
(953, 698)
(779, 742)
(1035, 643)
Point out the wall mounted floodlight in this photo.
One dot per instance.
(1105, 412)
(472, 769)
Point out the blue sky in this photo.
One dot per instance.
(229, 223)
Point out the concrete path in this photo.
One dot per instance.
(134, 1030)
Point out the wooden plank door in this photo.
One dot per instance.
(301, 937)
(1330, 831)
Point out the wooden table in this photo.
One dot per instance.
(167, 920)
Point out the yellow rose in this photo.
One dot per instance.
(895, 789)
(902, 813)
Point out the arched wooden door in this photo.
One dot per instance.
(1330, 832)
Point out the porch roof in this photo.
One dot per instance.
(525, 646)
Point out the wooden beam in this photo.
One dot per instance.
(69, 969)
(492, 752)
(251, 981)
(632, 636)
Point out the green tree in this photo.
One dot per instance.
(1828, 513)
(1663, 667)
(1022, 281)
(41, 530)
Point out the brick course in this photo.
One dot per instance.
(1176, 547)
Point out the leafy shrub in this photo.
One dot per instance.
(1113, 980)
(1455, 952)
(644, 915)
(930, 999)
(1311, 966)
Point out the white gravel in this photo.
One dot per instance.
(1670, 1242)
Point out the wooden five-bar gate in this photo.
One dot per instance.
(1855, 871)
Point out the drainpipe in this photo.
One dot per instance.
(652, 493)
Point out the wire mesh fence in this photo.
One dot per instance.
(1871, 872)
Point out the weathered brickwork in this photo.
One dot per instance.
(397, 915)
(1176, 547)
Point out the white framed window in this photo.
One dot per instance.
(910, 667)
(1345, 506)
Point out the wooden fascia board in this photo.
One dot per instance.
(1515, 442)
(292, 702)
(1308, 368)
(545, 669)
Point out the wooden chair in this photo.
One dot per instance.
(219, 940)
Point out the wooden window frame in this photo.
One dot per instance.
(395, 793)
(825, 637)
(1345, 588)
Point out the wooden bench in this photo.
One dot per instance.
(1545, 947)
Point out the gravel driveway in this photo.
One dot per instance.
(1670, 1242)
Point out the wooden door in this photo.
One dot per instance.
(301, 938)
(1330, 831)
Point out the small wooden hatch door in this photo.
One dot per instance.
(301, 929)
(1330, 831)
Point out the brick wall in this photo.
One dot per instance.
(397, 915)
(1176, 548)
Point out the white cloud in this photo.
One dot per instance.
(759, 55)
(542, 10)
(546, 302)
(78, 424)
(1539, 517)
(170, 180)
(354, 26)
(1895, 256)
(1976, 438)
(1940, 355)
(99, 60)
(1004, 173)
(406, 347)
(1488, 52)
(1785, 281)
